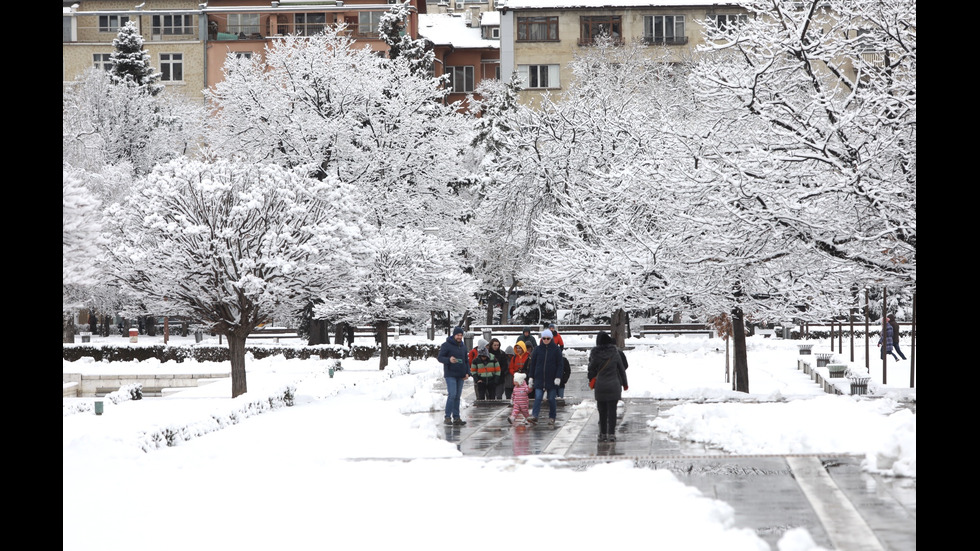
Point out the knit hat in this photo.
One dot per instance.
(551, 326)
(482, 350)
(520, 347)
(457, 331)
(526, 330)
(546, 334)
(519, 378)
(509, 351)
(603, 338)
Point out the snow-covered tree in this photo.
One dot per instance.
(408, 274)
(234, 243)
(392, 29)
(815, 126)
(81, 222)
(130, 63)
(366, 120)
(123, 126)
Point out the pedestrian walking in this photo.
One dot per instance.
(455, 369)
(554, 335)
(528, 339)
(565, 374)
(506, 373)
(545, 370)
(896, 336)
(607, 378)
(485, 369)
(519, 399)
(518, 364)
(888, 339)
(504, 361)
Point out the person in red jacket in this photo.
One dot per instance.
(556, 337)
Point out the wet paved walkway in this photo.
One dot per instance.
(840, 505)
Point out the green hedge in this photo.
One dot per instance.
(207, 353)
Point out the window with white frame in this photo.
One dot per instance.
(460, 78)
(309, 24)
(173, 24)
(172, 67)
(538, 76)
(368, 22)
(664, 29)
(112, 23)
(102, 61)
(247, 23)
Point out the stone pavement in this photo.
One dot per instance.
(841, 506)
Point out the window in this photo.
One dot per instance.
(494, 32)
(172, 67)
(112, 23)
(664, 29)
(66, 29)
(533, 29)
(368, 22)
(728, 21)
(604, 25)
(309, 24)
(173, 24)
(460, 78)
(538, 76)
(101, 61)
(240, 55)
(243, 23)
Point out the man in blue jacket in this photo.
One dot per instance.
(545, 370)
(456, 369)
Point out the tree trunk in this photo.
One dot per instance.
(382, 338)
(319, 332)
(105, 326)
(236, 354)
(618, 326)
(741, 359)
(151, 327)
(68, 328)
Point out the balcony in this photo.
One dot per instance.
(585, 41)
(665, 40)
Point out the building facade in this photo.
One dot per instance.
(540, 38)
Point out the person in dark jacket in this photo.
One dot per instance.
(528, 339)
(565, 374)
(504, 361)
(607, 377)
(887, 338)
(456, 369)
(545, 371)
(895, 336)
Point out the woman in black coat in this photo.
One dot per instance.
(607, 377)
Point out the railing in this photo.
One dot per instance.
(665, 40)
(583, 41)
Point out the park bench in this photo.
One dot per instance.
(275, 333)
(676, 329)
(515, 330)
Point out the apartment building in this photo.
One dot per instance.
(540, 38)
(466, 47)
(173, 32)
(189, 41)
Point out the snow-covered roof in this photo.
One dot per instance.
(565, 4)
(444, 28)
(489, 18)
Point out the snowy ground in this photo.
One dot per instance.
(250, 474)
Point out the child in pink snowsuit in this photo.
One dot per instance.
(519, 398)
